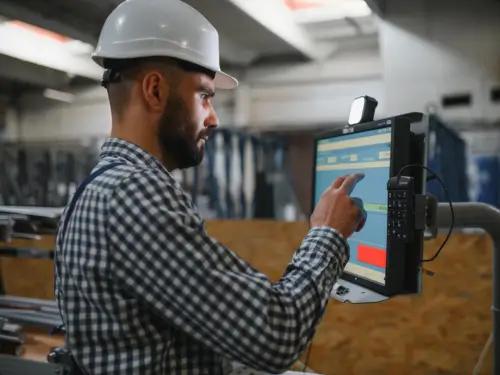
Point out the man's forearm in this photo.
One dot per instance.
(314, 269)
(299, 299)
(323, 255)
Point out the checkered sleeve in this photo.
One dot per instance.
(162, 255)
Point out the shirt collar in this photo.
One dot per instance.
(119, 148)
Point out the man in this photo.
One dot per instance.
(142, 288)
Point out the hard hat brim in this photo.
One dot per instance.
(224, 81)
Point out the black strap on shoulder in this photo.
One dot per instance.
(80, 190)
(67, 217)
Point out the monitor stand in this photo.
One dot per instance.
(345, 291)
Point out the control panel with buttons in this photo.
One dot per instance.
(400, 209)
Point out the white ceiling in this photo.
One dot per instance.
(251, 32)
(265, 29)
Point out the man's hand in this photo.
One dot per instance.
(337, 210)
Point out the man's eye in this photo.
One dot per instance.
(206, 96)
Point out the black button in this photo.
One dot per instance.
(342, 290)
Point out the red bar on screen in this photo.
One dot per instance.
(371, 255)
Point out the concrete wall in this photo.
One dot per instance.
(434, 49)
(486, 142)
(303, 95)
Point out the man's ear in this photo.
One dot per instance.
(155, 90)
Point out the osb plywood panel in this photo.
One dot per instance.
(32, 278)
(267, 245)
(440, 332)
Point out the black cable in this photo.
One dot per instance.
(306, 362)
(447, 196)
(308, 354)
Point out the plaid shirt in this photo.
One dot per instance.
(143, 289)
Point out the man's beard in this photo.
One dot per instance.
(177, 136)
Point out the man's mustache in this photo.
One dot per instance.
(205, 134)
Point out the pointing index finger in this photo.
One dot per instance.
(350, 182)
(338, 182)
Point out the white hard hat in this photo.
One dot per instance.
(172, 28)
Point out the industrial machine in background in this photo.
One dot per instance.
(43, 174)
(242, 176)
(16, 312)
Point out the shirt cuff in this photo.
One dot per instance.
(333, 237)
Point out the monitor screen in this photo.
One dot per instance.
(368, 152)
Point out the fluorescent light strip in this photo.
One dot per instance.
(332, 11)
(25, 44)
(59, 96)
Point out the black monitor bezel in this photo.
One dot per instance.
(400, 156)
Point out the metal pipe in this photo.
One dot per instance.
(26, 303)
(25, 252)
(26, 236)
(486, 217)
(50, 310)
(31, 318)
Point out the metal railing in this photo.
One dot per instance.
(486, 217)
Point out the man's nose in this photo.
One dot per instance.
(212, 121)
